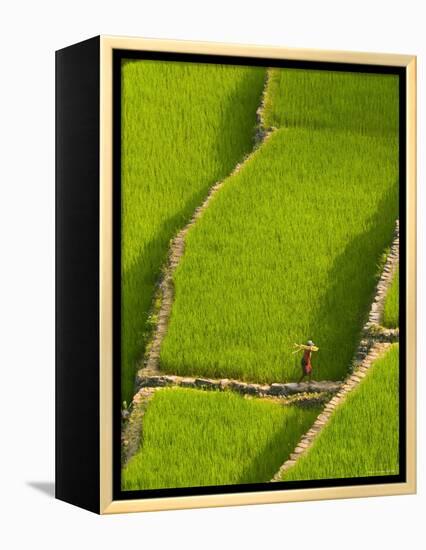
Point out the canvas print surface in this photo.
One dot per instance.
(259, 274)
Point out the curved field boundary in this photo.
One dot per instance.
(165, 293)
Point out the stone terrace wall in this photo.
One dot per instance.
(260, 390)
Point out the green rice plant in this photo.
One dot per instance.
(391, 309)
(197, 438)
(356, 102)
(361, 438)
(184, 127)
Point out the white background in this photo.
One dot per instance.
(29, 33)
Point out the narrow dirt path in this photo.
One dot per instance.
(276, 389)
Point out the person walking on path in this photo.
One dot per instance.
(306, 359)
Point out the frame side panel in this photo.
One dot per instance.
(411, 286)
(77, 274)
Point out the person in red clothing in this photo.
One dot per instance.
(306, 361)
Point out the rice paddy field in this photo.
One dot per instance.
(361, 438)
(391, 309)
(184, 126)
(288, 249)
(196, 438)
(360, 103)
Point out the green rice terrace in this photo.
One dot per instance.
(316, 206)
(257, 206)
(195, 438)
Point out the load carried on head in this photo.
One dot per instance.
(308, 346)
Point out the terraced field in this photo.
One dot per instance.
(288, 250)
(197, 438)
(364, 104)
(361, 439)
(184, 126)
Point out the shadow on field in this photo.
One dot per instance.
(139, 283)
(241, 94)
(350, 292)
(267, 461)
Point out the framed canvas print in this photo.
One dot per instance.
(235, 274)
